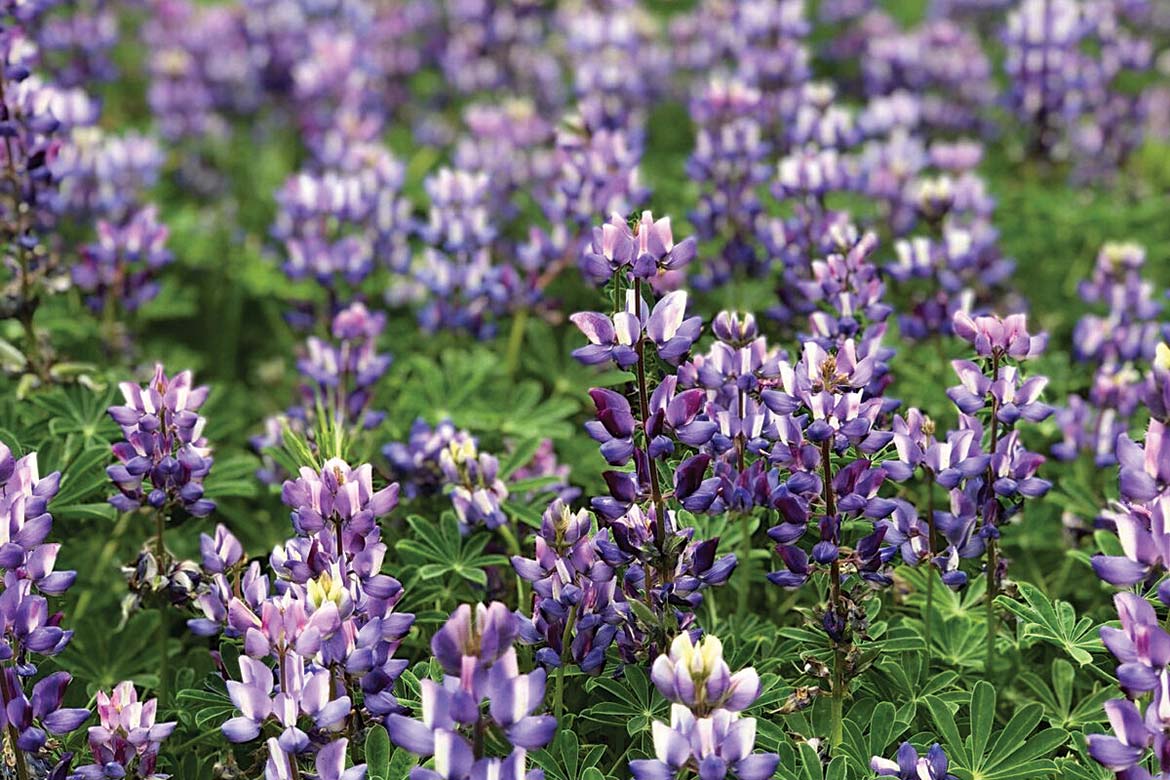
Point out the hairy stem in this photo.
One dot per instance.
(516, 340)
(644, 406)
(929, 617)
(992, 542)
(566, 640)
(13, 734)
(835, 603)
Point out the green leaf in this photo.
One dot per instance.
(982, 716)
(378, 753)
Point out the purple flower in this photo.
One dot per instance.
(1003, 336)
(338, 497)
(165, 458)
(717, 746)
(127, 741)
(33, 716)
(909, 766)
(695, 675)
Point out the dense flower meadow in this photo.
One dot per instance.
(585, 390)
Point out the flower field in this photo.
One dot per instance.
(585, 389)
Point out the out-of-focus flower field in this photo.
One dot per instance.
(584, 390)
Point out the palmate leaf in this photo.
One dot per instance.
(631, 700)
(566, 759)
(1053, 622)
(440, 562)
(1011, 753)
(1063, 705)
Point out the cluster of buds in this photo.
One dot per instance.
(29, 630)
(1118, 345)
(474, 648)
(127, 741)
(319, 639)
(164, 459)
(707, 734)
(665, 568)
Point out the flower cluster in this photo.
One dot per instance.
(708, 733)
(664, 566)
(319, 639)
(127, 742)
(164, 459)
(474, 648)
(32, 711)
(1118, 345)
(908, 765)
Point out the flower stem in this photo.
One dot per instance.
(13, 735)
(929, 617)
(835, 603)
(566, 639)
(745, 553)
(516, 340)
(644, 406)
(992, 544)
(163, 632)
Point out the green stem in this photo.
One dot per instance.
(992, 543)
(163, 622)
(644, 407)
(13, 734)
(992, 565)
(929, 617)
(566, 640)
(513, 546)
(745, 554)
(516, 340)
(835, 604)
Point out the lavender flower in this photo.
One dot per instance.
(714, 741)
(165, 458)
(910, 766)
(120, 268)
(478, 661)
(127, 742)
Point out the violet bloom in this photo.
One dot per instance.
(477, 492)
(1145, 542)
(329, 763)
(304, 692)
(339, 497)
(908, 765)
(1145, 469)
(999, 336)
(120, 268)
(165, 458)
(695, 675)
(718, 746)
(479, 661)
(617, 338)
(33, 716)
(341, 374)
(645, 253)
(1141, 645)
(569, 578)
(127, 742)
(221, 553)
